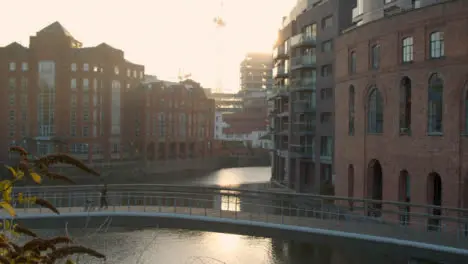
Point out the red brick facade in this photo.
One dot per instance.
(170, 120)
(57, 95)
(412, 149)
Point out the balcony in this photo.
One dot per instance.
(308, 61)
(279, 52)
(278, 91)
(280, 72)
(303, 40)
(303, 151)
(306, 128)
(357, 14)
(304, 106)
(303, 84)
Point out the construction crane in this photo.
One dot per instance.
(183, 76)
(220, 23)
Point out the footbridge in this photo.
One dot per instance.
(421, 231)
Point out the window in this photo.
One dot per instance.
(352, 62)
(407, 49)
(141, 75)
(12, 99)
(375, 57)
(128, 72)
(12, 83)
(85, 115)
(73, 84)
(326, 147)
(435, 104)
(73, 131)
(86, 67)
(85, 131)
(437, 45)
(327, 46)
(12, 115)
(327, 70)
(73, 99)
(405, 105)
(375, 112)
(73, 67)
(116, 70)
(12, 66)
(351, 99)
(24, 83)
(85, 84)
(134, 73)
(327, 22)
(326, 93)
(325, 117)
(24, 66)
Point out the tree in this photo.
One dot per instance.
(36, 250)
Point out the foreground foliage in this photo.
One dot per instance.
(36, 250)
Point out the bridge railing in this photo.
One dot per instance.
(446, 226)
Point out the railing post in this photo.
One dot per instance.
(235, 207)
(144, 203)
(281, 210)
(128, 201)
(69, 201)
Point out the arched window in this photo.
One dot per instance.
(375, 112)
(405, 105)
(435, 104)
(351, 111)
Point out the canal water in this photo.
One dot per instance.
(169, 246)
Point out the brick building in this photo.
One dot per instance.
(60, 96)
(402, 107)
(169, 120)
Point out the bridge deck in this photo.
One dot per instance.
(328, 223)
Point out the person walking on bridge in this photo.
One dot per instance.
(104, 197)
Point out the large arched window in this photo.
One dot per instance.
(405, 105)
(375, 112)
(435, 104)
(351, 111)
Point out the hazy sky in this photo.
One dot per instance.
(164, 35)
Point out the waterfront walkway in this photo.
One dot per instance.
(277, 210)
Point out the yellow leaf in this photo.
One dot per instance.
(13, 171)
(10, 210)
(69, 261)
(36, 177)
(5, 188)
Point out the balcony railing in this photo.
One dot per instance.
(279, 52)
(305, 128)
(304, 84)
(303, 150)
(303, 61)
(302, 39)
(304, 106)
(279, 71)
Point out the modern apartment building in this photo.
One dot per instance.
(402, 108)
(169, 120)
(255, 71)
(59, 95)
(370, 10)
(302, 115)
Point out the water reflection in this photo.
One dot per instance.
(180, 246)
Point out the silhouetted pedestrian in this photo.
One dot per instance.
(104, 197)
